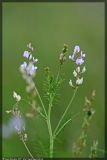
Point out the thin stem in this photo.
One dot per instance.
(60, 129)
(58, 73)
(50, 131)
(66, 110)
(42, 115)
(27, 148)
(40, 100)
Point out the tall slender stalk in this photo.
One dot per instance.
(66, 110)
(27, 148)
(48, 116)
(50, 130)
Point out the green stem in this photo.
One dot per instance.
(60, 129)
(66, 110)
(27, 148)
(40, 100)
(50, 131)
(58, 73)
(49, 121)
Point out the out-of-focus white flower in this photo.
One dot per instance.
(78, 69)
(75, 73)
(84, 69)
(70, 83)
(8, 111)
(16, 96)
(79, 81)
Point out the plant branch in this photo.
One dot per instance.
(60, 129)
(58, 73)
(65, 110)
(27, 148)
(40, 100)
(50, 129)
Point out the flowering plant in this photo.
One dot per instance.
(29, 70)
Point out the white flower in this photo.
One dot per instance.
(30, 46)
(16, 96)
(35, 60)
(84, 69)
(70, 83)
(78, 69)
(79, 81)
(75, 73)
(82, 54)
(8, 111)
(30, 57)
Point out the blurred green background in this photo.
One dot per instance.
(48, 26)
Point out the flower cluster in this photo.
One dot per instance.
(89, 112)
(29, 69)
(15, 110)
(88, 109)
(20, 128)
(62, 57)
(78, 58)
(17, 122)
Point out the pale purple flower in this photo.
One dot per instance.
(79, 61)
(26, 54)
(23, 66)
(15, 124)
(76, 49)
(31, 69)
